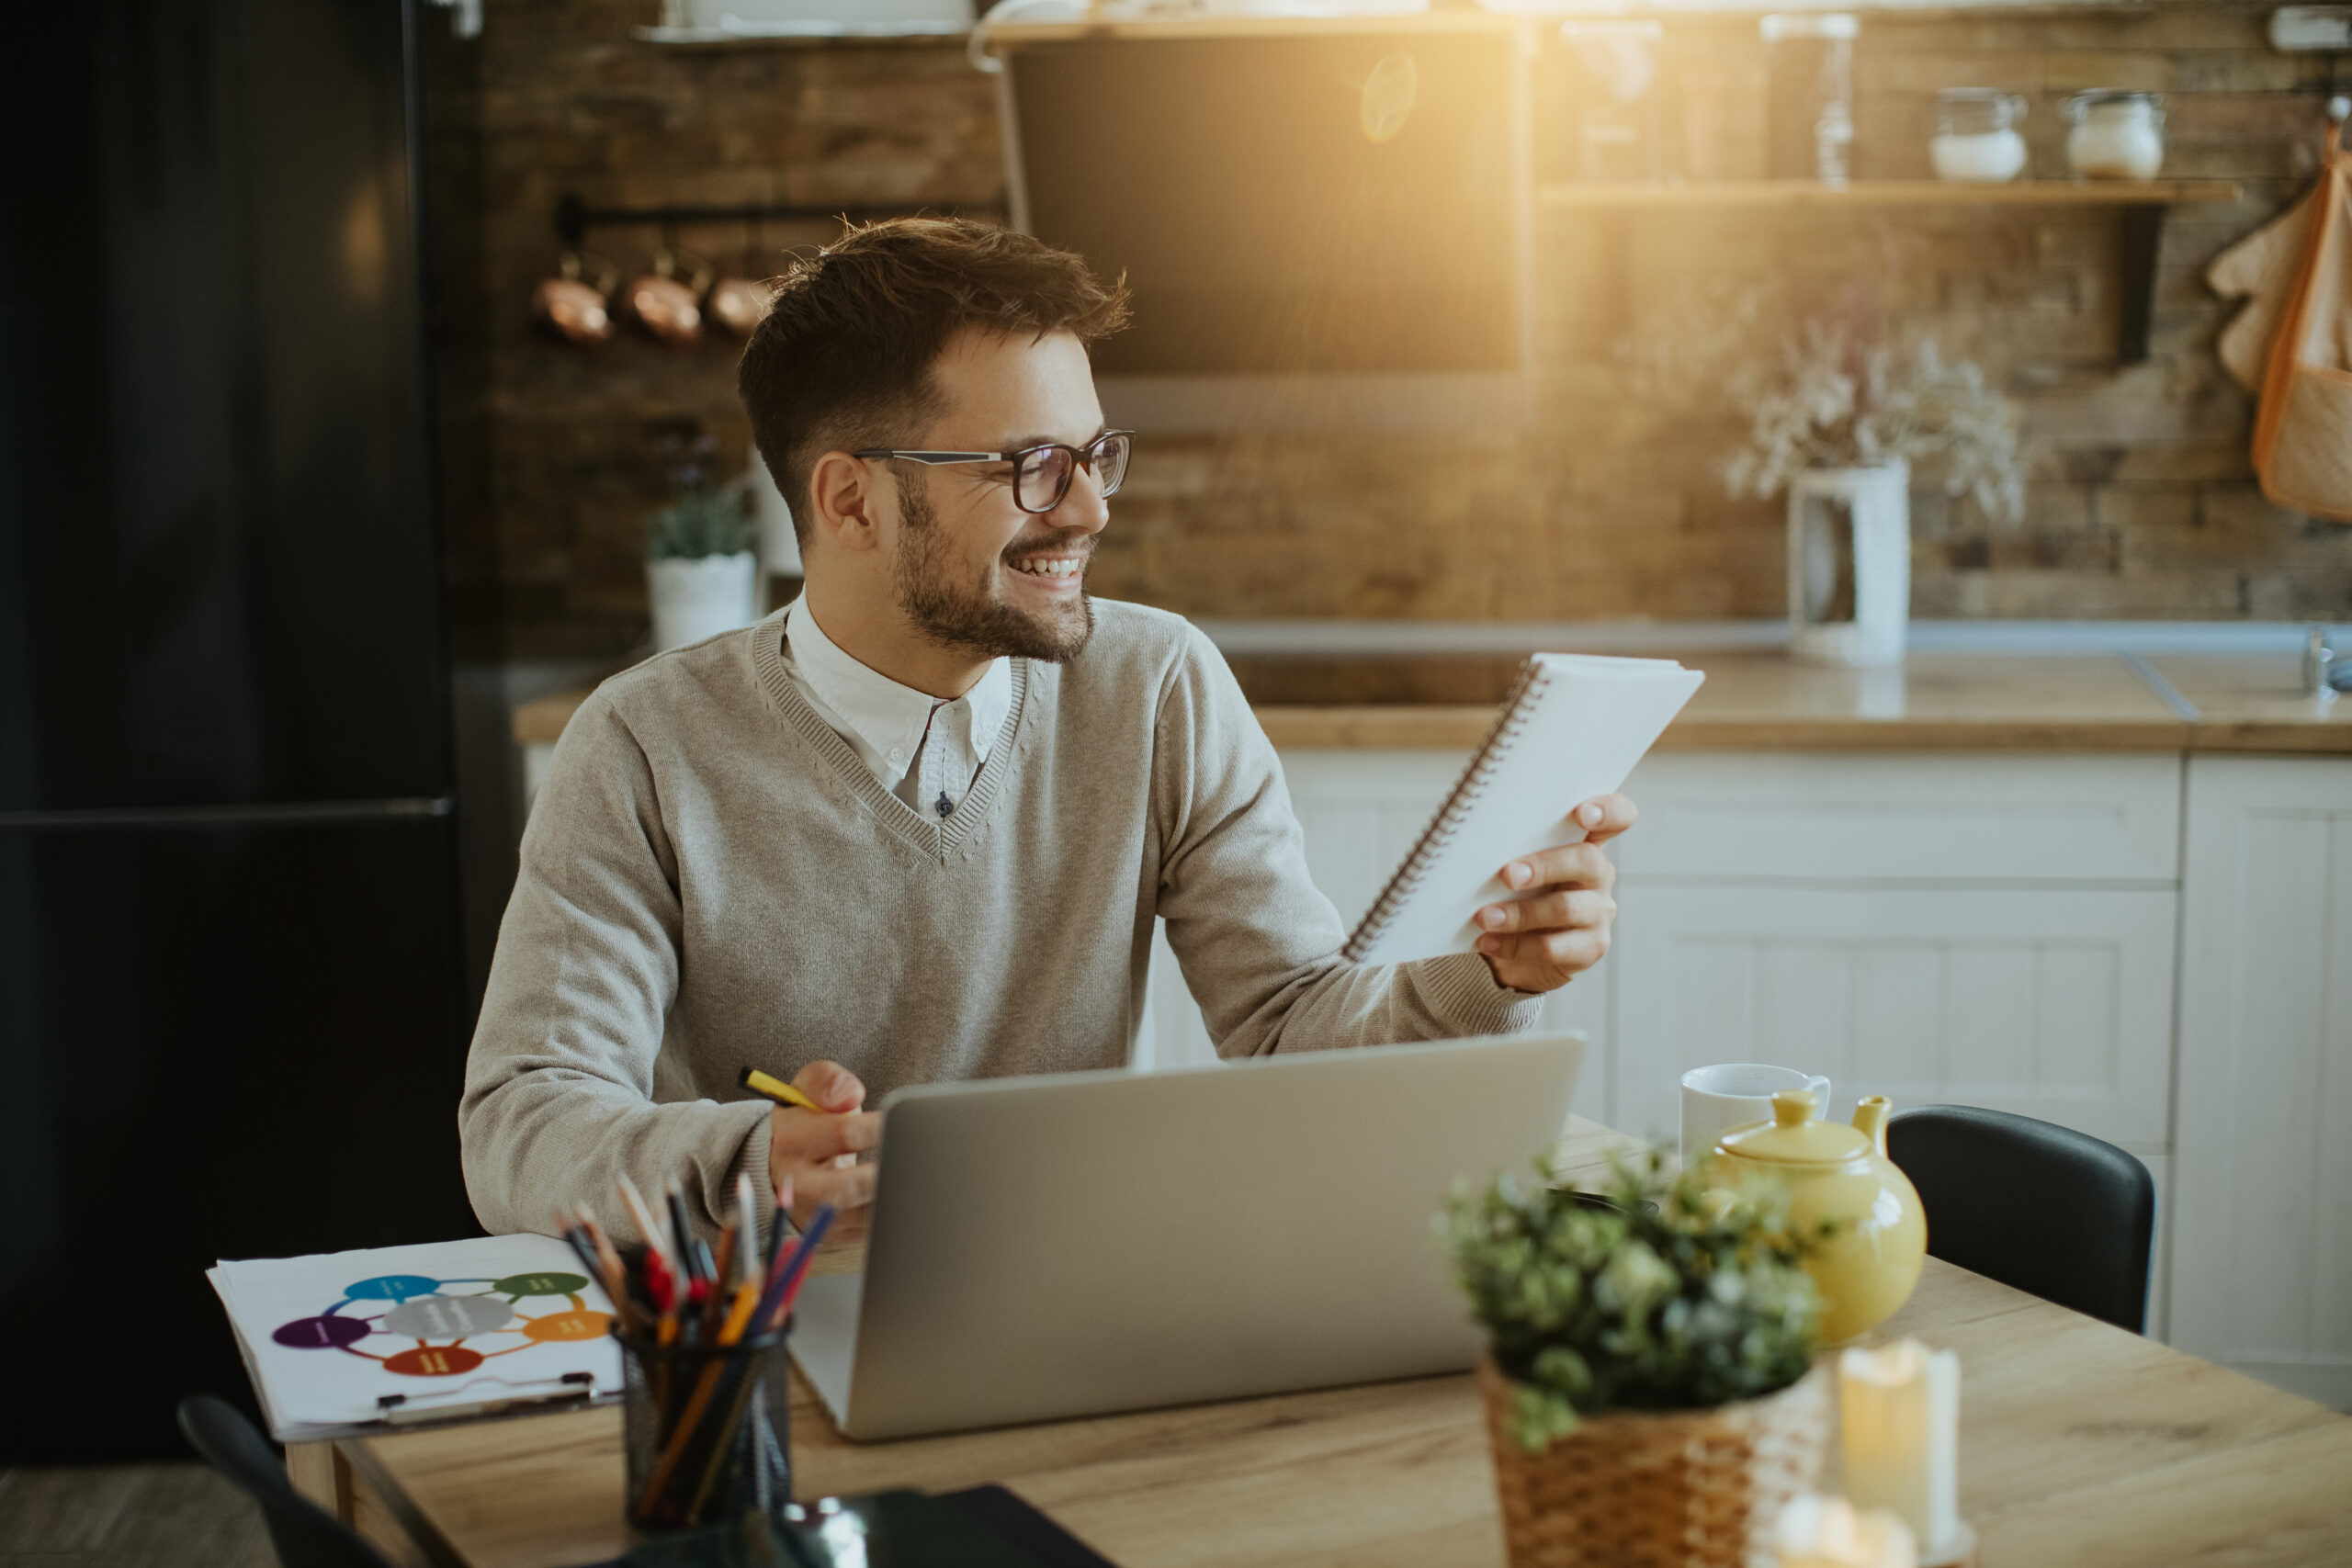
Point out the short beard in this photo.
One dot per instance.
(973, 618)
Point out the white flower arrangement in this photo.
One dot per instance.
(1839, 404)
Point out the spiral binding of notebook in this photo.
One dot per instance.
(1571, 730)
(1518, 707)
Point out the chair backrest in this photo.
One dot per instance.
(2043, 1208)
(306, 1535)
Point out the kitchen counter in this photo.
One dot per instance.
(2247, 702)
(1935, 701)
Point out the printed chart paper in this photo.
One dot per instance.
(453, 1322)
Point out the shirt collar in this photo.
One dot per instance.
(989, 701)
(886, 716)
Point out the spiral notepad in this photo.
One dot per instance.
(1572, 728)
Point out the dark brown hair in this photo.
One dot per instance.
(842, 360)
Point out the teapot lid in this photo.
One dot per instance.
(1794, 1137)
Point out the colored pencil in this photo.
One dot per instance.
(785, 1283)
(775, 1089)
(641, 1216)
(747, 1225)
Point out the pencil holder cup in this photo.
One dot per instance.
(708, 1433)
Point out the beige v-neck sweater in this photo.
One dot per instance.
(712, 879)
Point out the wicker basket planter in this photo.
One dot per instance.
(1658, 1489)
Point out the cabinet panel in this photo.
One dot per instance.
(1359, 811)
(2051, 1003)
(2160, 1254)
(2035, 818)
(2263, 1231)
(1173, 1034)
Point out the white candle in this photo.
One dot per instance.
(1826, 1532)
(1901, 1412)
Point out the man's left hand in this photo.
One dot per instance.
(1558, 925)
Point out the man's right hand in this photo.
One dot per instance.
(817, 1154)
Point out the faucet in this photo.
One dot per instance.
(2325, 670)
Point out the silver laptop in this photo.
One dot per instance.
(1089, 1242)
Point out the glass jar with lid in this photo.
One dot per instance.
(1809, 106)
(2116, 135)
(1977, 135)
(1616, 101)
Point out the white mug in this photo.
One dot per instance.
(1732, 1094)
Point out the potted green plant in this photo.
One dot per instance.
(1649, 1387)
(701, 575)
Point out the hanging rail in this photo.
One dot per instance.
(574, 217)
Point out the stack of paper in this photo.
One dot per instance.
(344, 1340)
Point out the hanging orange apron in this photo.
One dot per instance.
(2302, 431)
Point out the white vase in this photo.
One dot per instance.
(1850, 564)
(695, 599)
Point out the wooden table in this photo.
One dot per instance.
(2080, 1444)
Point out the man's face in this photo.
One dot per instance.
(973, 570)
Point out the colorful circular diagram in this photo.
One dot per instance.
(441, 1321)
(321, 1333)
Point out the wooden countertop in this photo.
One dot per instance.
(1941, 701)
(2080, 1444)
(2248, 702)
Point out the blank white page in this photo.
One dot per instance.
(1574, 728)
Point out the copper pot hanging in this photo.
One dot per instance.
(669, 310)
(740, 304)
(570, 308)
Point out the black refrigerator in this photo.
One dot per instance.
(231, 1012)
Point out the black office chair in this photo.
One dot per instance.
(306, 1535)
(2044, 1208)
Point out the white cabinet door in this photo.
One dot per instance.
(2052, 1002)
(1359, 811)
(2024, 819)
(2262, 1221)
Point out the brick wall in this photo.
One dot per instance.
(2140, 502)
(554, 456)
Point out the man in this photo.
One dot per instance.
(917, 824)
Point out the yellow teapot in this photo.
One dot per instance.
(1868, 1264)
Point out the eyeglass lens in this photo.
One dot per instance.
(1044, 479)
(1045, 471)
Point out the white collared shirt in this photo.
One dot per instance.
(923, 748)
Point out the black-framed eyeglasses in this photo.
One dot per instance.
(1041, 474)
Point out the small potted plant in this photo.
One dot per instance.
(700, 571)
(1649, 1390)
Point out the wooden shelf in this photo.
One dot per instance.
(2141, 207)
(720, 40)
(1401, 24)
(1886, 193)
(1131, 21)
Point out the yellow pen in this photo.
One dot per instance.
(739, 1314)
(775, 1089)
